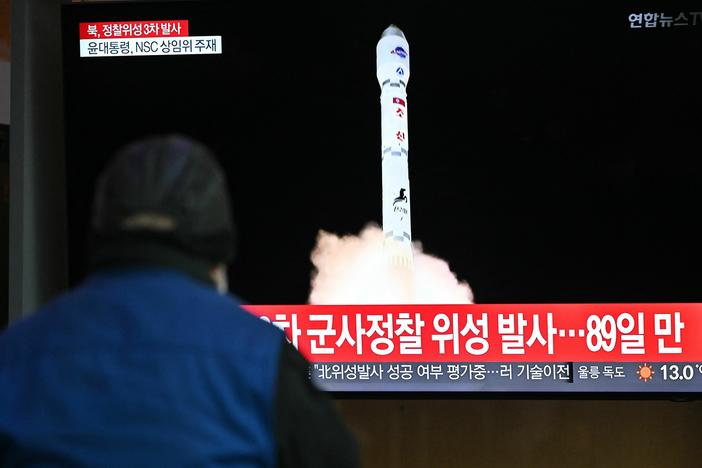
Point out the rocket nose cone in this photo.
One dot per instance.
(392, 30)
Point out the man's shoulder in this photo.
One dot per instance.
(179, 306)
(142, 308)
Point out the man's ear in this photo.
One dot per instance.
(218, 273)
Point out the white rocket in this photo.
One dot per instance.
(393, 72)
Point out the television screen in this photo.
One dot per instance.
(550, 150)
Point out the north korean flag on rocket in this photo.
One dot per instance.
(397, 100)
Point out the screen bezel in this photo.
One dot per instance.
(38, 240)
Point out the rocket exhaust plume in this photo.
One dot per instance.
(384, 266)
(355, 270)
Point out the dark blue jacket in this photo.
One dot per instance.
(139, 368)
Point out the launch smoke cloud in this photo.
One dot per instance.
(354, 270)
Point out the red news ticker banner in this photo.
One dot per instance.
(492, 332)
(127, 29)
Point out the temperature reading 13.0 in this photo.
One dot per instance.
(676, 372)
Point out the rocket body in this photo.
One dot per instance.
(392, 71)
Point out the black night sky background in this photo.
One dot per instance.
(553, 150)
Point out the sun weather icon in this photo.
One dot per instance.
(645, 372)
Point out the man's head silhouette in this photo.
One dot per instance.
(164, 200)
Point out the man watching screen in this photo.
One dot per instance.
(149, 362)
